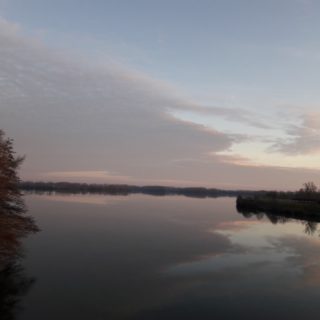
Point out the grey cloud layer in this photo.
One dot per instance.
(305, 138)
(66, 116)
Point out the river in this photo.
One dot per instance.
(169, 257)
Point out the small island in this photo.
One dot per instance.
(302, 204)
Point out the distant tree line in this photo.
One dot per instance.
(120, 189)
(309, 192)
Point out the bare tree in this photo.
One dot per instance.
(310, 187)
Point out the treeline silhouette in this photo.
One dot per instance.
(309, 192)
(122, 189)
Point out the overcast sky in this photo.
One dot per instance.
(214, 93)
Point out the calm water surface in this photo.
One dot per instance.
(144, 257)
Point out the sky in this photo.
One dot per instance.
(219, 93)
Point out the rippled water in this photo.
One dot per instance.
(144, 257)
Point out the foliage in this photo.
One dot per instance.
(10, 196)
(13, 225)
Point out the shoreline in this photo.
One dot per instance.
(124, 189)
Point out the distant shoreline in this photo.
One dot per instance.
(124, 189)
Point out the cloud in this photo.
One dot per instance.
(69, 116)
(92, 122)
(237, 115)
(87, 176)
(8, 29)
(304, 138)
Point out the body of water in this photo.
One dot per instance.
(173, 257)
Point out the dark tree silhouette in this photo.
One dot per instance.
(13, 223)
(309, 187)
(10, 196)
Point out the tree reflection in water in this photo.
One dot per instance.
(310, 224)
(14, 284)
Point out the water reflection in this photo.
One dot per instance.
(14, 282)
(167, 258)
(14, 285)
(81, 198)
(310, 224)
